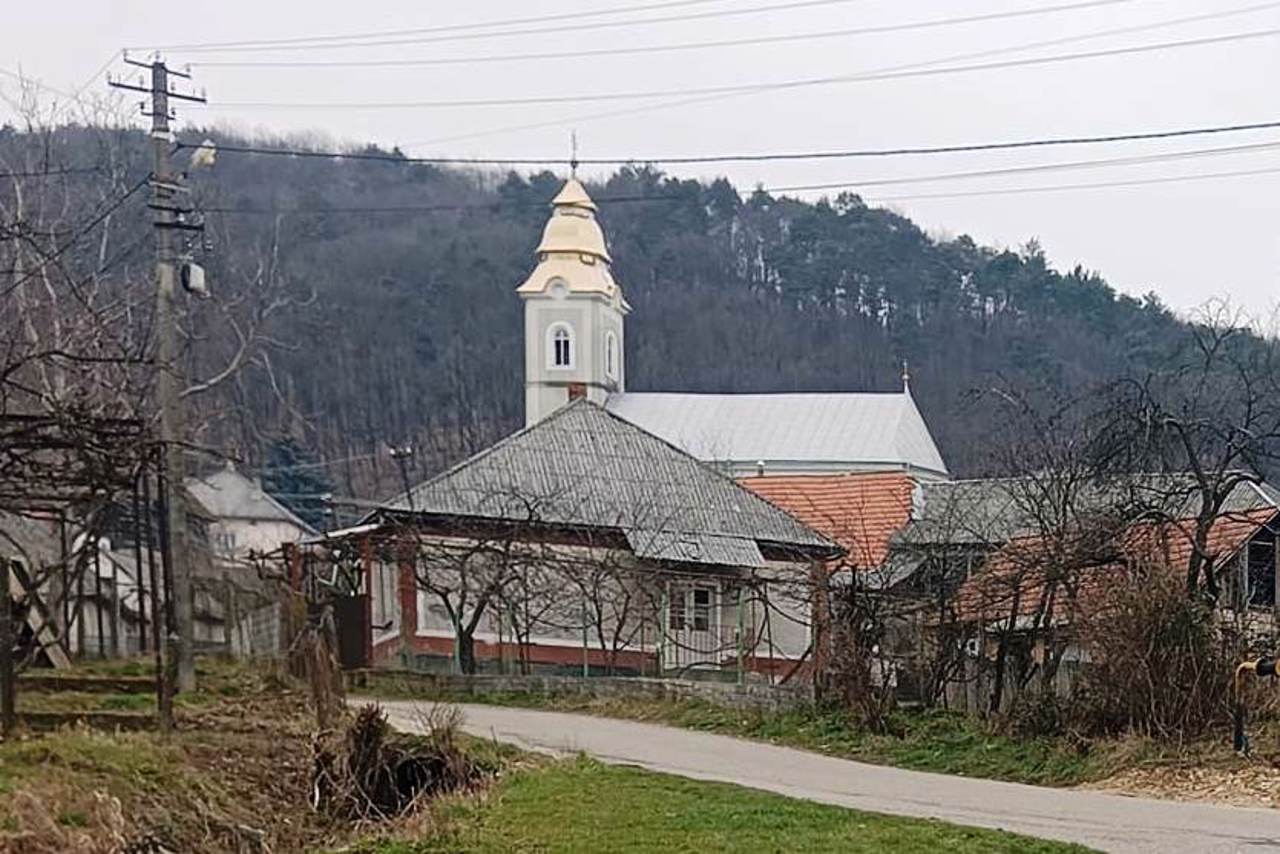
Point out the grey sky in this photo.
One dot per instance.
(1188, 241)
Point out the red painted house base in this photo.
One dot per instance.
(563, 659)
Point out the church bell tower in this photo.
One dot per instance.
(573, 311)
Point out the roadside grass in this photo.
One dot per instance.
(218, 681)
(938, 741)
(237, 764)
(582, 806)
(236, 774)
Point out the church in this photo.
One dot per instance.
(667, 532)
(575, 333)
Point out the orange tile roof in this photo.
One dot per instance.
(989, 593)
(861, 510)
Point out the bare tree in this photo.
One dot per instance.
(1210, 421)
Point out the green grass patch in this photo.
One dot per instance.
(584, 806)
(86, 760)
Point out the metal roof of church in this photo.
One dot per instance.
(583, 466)
(856, 430)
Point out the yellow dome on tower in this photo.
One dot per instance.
(573, 228)
(573, 251)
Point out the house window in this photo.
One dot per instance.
(677, 616)
(1260, 568)
(701, 609)
(690, 609)
(611, 355)
(225, 542)
(560, 346)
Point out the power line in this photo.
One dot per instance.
(758, 87)
(45, 173)
(77, 235)
(852, 184)
(1168, 179)
(336, 42)
(646, 7)
(752, 157)
(427, 208)
(1032, 169)
(960, 57)
(666, 48)
(319, 464)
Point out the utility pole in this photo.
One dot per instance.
(402, 455)
(166, 187)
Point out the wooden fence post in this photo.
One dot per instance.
(8, 686)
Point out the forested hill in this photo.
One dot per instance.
(415, 331)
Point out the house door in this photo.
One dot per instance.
(691, 637)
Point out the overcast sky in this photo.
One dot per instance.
(1185, 240)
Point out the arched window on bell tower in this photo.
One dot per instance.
(560, 346)
(611, 355)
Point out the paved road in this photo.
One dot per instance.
(1106, 822)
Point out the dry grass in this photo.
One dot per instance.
(234, 777)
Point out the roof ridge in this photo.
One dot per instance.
(484, 453)
(716, 472)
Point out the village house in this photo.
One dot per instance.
(110, 610)
(585, 543)
(1008, 578)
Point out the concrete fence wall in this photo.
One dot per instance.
(454, 686)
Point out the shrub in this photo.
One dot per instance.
(1161, 664)
(373, 773)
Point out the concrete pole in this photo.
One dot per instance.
(181, 635)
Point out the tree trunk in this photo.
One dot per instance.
(466, 653)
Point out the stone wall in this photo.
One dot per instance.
(454, 686)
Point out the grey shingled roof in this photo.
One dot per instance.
(583, 466)
(992, 510)
(856, 429)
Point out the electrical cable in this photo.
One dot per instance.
(45, 173)
(960, 57)
(335, 42)
(771, 190)
(754, 87)
(76, 236)
(751, 157)
(646, 7)
(667, 48)
(1053, 188)
(1035, 168)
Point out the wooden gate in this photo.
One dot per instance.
(351, 618)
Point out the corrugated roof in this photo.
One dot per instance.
(583, 466)
(227, 494)
(994, 510)
(859, 429)
(861, 511)
(702, 548)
